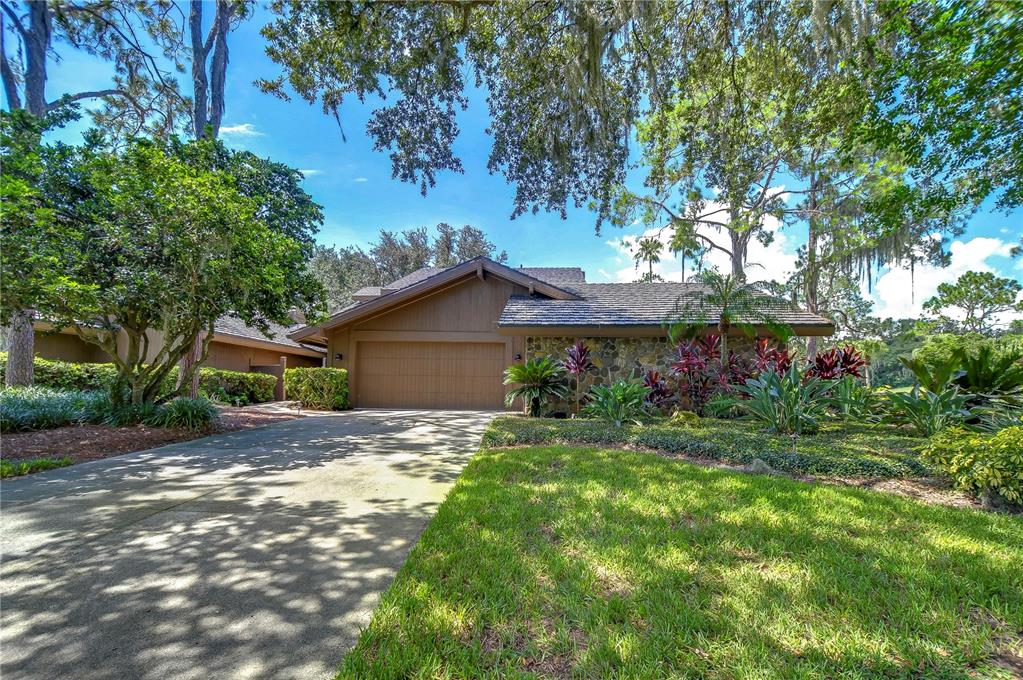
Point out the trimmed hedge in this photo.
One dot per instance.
(227, 386)
(837, 450)
(322, 388)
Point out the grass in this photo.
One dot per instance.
(839, 449)
(24, 467)
(560, 561)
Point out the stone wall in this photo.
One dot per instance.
(615, 358)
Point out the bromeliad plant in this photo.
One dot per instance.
(620, 402)
(578, 363)
(537, 381)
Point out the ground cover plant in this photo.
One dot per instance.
(17, 468)
(558, 561)
(837, 449)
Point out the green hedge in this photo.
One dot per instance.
(227, 386)
(837, 450)
(322, 388)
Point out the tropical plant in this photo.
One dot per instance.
(728, 302)
(577, 363)
(768, 358)
(837, 362)
(983, 464)
(933, 377)
(787, 403)
(853, 400)
(660, 394)
(537, 382)
(648, 250)
(925, 411)
(620, 402)
(41, 408)
(990, 373)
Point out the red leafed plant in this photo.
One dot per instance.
(698, 371)
(836, 363)
(767, 358)
(578, 358)
(660, 394)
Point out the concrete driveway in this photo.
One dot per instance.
(251, 554)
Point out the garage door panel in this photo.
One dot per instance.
(430, 375)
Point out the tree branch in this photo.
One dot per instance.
(95, 94)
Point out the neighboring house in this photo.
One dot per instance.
(441, 338)
(234, 347)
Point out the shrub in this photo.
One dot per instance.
(227, 386)
(684, 419)
(620, 402)
(191, 414)
(659, 394)
(235, 387)
(41, 408)
(981, 464)
(927, 412)
(123, 415)
(322, 388)
(538, 381)
(23, 467)
(787, 404)
(837, 362)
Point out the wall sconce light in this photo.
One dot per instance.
(339, 356)
(518, 357)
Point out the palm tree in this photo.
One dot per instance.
(731, 302)
(538, 381)
(648, 250)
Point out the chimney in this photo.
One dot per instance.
(297, 315)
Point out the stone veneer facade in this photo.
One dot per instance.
(614, 358)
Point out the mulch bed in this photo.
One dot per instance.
(93, 442)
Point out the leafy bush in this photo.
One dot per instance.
(23, 467)
(927, 412)
(620, 402)
(840, 449)
(787, 404)
(852, 400)
(41, 408)
(982, 464)
(226, 386)
(123, 415)
(684, 419)
(837, 362)
(322, 388)
(660, 394)
(235, 387)
(538, 381)
(191, 414)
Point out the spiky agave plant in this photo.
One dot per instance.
(537, 382)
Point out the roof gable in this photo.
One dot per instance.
(426, 282)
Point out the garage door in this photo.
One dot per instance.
(430, 375)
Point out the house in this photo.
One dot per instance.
(235, 346)
(441, 338)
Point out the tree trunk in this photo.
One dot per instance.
(723, 327)
(199, 84)
(21, 349)
(188, 366)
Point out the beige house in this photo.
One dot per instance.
(441, 338)
(235, 347)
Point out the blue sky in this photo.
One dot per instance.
(353, 184)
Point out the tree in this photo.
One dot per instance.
(161, 241)
(343, 271)
(452, 246)
(146, 94)
(978, 298)
(726, 302)
(648, 250)
(208, 89)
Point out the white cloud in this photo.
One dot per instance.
(900, 293)
(311, 173)
(361, 179)
(241, 130)
(764, 263)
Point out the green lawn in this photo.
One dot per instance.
(585, 562)
(839, 449)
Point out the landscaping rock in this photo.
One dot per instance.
(758, 467)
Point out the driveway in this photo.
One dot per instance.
(249, 554)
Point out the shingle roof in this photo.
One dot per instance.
(635, 304)
(278, 334)
(556, 275)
